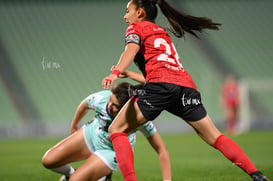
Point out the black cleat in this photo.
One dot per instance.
(108, 177)
(258, 176)
(64, 178)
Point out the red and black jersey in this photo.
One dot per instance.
(157, 58)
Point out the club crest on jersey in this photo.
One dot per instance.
(132, 38)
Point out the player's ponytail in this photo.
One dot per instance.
(179, 21)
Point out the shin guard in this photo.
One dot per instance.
(234, 153)
(124, 154)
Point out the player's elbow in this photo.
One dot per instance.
(162, 151)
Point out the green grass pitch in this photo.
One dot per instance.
(191, 158)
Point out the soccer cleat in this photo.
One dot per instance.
(108, 177)
(105, 178)
(258, 176)
(64, 178)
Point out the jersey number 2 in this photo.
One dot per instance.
(166, 55)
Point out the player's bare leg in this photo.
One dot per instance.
(206, 130)
(69, 150)
(92, 169)
(129, 118)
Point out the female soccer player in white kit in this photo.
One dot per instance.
(92, 142)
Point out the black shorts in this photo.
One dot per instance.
(181, 101)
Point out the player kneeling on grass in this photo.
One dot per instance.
(92, 142)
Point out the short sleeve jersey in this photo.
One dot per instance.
(157, 59)
(98, 102)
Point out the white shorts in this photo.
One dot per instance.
(99, 143)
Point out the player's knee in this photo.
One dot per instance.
(117, 129)
(47, 161)
(112, 130)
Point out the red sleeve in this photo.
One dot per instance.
(133, 35)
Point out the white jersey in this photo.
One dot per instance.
(99, 103)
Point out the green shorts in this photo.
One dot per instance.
(98, 142)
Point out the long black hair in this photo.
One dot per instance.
(179, 21)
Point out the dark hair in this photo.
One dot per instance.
(179, 21)
(123, 91)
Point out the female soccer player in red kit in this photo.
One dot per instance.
(168, 86)
(229, 99)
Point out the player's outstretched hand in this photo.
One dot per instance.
(108, 81)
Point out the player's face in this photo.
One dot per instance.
(113, 105)
(132, 13)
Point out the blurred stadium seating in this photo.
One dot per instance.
(61, 50)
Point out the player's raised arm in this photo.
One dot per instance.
(79, 114)
(163, 154)
(125, 60)
(131, 75)
(135, 76)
